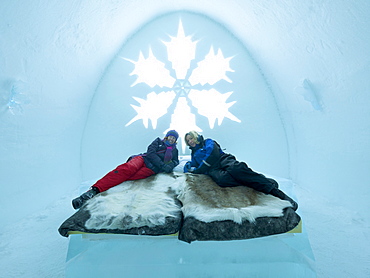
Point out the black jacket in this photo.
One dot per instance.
(154, 157)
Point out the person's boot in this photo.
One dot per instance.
(281, 195)
(79, 201)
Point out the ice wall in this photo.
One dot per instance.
(319, 72)
(146, 90)
(313, 55)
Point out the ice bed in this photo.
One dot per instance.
(167, 227)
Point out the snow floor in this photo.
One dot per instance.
(339, 240)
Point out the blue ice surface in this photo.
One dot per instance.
(109, 255)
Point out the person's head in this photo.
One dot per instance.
(171, 136)
(192, 138)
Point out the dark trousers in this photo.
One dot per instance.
(230, 172)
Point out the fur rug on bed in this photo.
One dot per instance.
(138, 203)
(148, 206)
(190, 204)
(204, 200)
(215, 213)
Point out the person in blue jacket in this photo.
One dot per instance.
(208, 158)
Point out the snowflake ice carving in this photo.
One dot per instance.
(189, 92)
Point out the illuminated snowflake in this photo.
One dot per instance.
(186, 91)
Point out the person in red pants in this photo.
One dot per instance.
(161, 157)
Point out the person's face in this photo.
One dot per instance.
(171, 139)
(190, 140)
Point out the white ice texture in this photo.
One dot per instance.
(300, 88)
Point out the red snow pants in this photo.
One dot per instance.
(135, 169)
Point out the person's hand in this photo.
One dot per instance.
(187, 167)
(167, 168)
(196, 170)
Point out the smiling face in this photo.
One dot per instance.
(171, 139)
(190, 140)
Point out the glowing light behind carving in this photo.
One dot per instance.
(154, 107)
(183, 120)
(212, 104)
(183, 92)
(151, 71)
(181, 51)
(212, 69)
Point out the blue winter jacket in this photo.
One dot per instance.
(224, 169)
(205, 155)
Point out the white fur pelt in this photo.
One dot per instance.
(203, 199)
(132, 204)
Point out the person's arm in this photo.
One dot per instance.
(190, 165)
(169, 166)
(175, 157)
(212, 156)
(152, 155)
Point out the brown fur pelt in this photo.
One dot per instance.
(204, 200)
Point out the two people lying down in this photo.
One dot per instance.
(207, 158)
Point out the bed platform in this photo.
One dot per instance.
(168, 227)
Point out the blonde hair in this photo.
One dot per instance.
(194, 135)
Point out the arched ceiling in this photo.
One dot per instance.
(313, 54)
